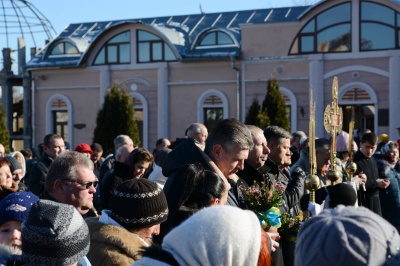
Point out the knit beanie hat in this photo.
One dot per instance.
(54, 234)
(14, 163)
(342, 142)
(16, 206)
(138, 203)
(346, 236)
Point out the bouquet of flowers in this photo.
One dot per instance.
(264, 200)
(290, 224)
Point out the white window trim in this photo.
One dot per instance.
(371, 92)
(49, 120)
(293, 107)
(145, 107)
(201, 105)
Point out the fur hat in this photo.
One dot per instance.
(54, 234)
(16, 206)
(138, 203)
(346, 236)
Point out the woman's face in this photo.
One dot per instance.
(147, 233)
(5, 176)
(10, 233)
(140, 168)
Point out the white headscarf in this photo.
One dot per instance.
(219, 235)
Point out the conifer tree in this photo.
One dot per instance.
(274, 105)
(115, 118)
(4, 133)
(252, 115)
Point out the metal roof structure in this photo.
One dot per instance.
(188, 28)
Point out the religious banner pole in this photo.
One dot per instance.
(312, 181)
(333, 117)
(351, 167)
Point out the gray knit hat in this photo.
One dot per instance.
(138, 203)
(54, 234)
(347, 236)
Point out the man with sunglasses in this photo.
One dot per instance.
(71, 180)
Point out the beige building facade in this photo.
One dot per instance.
(206, 67)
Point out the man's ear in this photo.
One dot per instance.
(58, 187)
(216, 151)
(271, 145)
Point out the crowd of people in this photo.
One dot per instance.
(185, 202)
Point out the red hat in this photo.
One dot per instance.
(83, 147)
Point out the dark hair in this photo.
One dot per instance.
(48, 139)
(26, 153)
(319, 143)
(229, 133)
(370, 138)
(3, 162)
(200, 187)
(138, 155)
(96, 147)
(275, 134)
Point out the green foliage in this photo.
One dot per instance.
(264, 118)
(252, 116)
(275, 106)
(4, 134)
(115, 118)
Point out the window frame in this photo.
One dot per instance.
(104, 49)
(151, 44)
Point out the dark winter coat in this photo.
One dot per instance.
(370, 197)
(37, 175)
(185, 153)
(390, 197)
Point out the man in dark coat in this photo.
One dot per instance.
(53, 146)
(227, 147)
(278, 141)
(367, 164)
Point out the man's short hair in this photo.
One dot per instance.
(299, 134)
(96, 147)
(121, 140)
(320, 143)
(193, 129)
(370, 138)
(229, 133)
(275, 134)
(64, 167)
(48, 139)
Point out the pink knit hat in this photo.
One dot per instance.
(342, 142)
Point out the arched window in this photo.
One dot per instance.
(291, 107)
(380, 26)
(64, 48)
(216, 38)
(151, 48)
(212, 107)
(141, 117)
(116, 51)
(363, 99)
(59, 117)
(327, 32)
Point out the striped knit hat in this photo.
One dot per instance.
(138, 203)
(54, 234)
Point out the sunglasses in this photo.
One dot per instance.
(85, 185)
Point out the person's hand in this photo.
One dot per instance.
(383, 183)
(274, 237)
(362, 178)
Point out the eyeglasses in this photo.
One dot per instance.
(85, 185)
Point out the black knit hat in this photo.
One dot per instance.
(54, 234)
(343, 194)
(138, 203)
